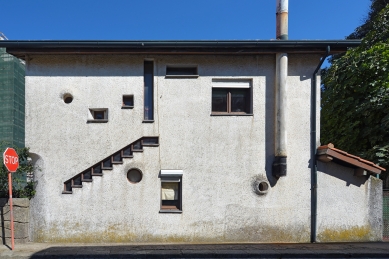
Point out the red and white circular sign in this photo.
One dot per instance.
(11, 159)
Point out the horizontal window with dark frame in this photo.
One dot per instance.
(181, 71)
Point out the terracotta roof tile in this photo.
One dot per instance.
(349, 158)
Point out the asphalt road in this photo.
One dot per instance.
(252, 250)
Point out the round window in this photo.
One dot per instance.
(134, 175)
(67, 98)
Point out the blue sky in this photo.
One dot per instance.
(176, 20)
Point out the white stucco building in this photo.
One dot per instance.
(175, 141)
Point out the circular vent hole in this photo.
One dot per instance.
(134, 175)
(67, 98)
(263, 186)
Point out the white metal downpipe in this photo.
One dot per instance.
(280, 161)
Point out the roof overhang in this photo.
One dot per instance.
(328, 153)
(21, 48)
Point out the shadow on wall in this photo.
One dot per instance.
(341, 172)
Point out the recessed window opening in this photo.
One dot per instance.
(171, 191)
(97, 169)
(87, 175)
(137, 145)
(107, 163)
(98, 115)
(231, 97)
(134, 175)
(128, 101)
(149, 141)
(181, 71)
(67, 98)
(148, 90)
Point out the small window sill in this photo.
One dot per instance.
(181, 76)
(232, 114)
(148, 121)
(150, 145)
(67, 192)
(127, 107)
(171, 211)
(97, 121)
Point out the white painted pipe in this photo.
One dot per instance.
(281, 153)
(281, 135)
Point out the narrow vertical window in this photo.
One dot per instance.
(148, 90)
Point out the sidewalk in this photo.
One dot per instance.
(104, 250)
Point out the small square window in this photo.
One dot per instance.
(98, 115)
(171, 191)
(230, 97)
(128, 102)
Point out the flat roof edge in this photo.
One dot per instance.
(23, 47)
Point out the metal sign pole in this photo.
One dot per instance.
(11, 210)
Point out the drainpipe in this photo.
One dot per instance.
(313, 150)
(279, 164)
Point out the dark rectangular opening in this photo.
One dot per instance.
(128, 101)
(127, 152)
(98, 115)
(181, 71)
(107, 163)
(150, 141)
(77, 180)
(87, 174)
(68, 186)
(148, 90)
(97, 169)
(137, 145)
(117, 157)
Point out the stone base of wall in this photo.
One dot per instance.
(21, 209)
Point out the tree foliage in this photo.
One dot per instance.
(23, 185)
(375, 8)
(355, 94)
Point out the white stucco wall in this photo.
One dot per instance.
(221, 156)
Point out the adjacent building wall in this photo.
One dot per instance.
(221, 156)
(349, 207)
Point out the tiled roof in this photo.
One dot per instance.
(327, 153)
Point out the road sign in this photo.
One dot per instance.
(11, 159)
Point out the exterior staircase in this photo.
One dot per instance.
(108, 163)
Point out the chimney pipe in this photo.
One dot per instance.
(282, 20)
(280, 160)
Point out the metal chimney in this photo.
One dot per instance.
(282, 20)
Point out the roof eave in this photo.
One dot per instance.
(22, 48)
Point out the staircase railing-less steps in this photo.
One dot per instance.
(108, 163)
